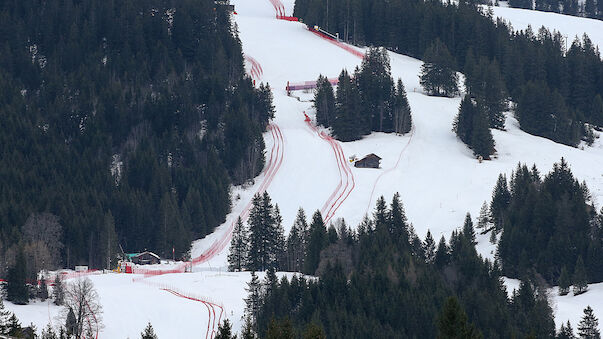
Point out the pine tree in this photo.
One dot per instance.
(401, 110)
(501, 197)
(16, 288)
(566, 332)
(58, 293)
(348, 124)
(453, 322)
(49, 333)
(248, 332)
(324, 102)
(317, 242)
(482, 142)
(463, 122)
(376, 89)
(579, 278)
(294, 249)
(484, 217)
(564, 282)
(225, 331)
(588, 328)
(71, 323)
(239, 246)
(43, 289)
(263, 233)
(468, 231)
(429, 248)
(253, 302)
(442, 257)
(149, 332)
(5, 316)
(437, 72)
(278, 243)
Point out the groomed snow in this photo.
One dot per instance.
(438, 178)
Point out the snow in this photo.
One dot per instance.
(569, 26)
(436, 175)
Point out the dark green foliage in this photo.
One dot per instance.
(71, 323)
(580, 279)
(438, 75)
(376, 88)
(314, 331)
(401, 110)
(468, 230)
(296, 242)
(266, 238)
(49, 333)
(453, 323)
(16, 288)
(239, 247)
(348, 124)
(282, 329)
(317, 241)
(149, 333)
(564, 282)
(5, 317)
(58, 293)
(225, 331)
(566, 331)
(43, 289)
(492, 56)
(547, 224)
(389, 291)
(588, 328)
(501, 197)
(471, 126)
(119, 113)
(324, 102)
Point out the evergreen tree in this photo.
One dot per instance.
(149, 332)
(278, 243)
(264, 234)
(588, 328)
(566, 332)
(296, 242)
(482, 142)
(453, 322)
(225, 331)
(484, 217)
(468, 231)
(347, 124)
(442, 257)
(487, 86)
(438, 76)
(463, 122)
(429, 248)
(317, 242)
(58, 293)
(501, 197)
(314, 331)
(71, 323)
(43, 289)
(324, 102)
(49, 333)
(401, 110)
(237, 257)
(564, 282)
(376, 89)
(5, 316)
(248, 332)
(16, 288)
(253, 300)
(282, 329)
(579, 278)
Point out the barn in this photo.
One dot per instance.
(370, 161)
(145, 258)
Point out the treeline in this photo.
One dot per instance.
(382, 281)
(556, 91)
(366, 101)
(550, 227)
(127, 122)
(589, 8)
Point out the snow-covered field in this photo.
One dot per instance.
(438, 178)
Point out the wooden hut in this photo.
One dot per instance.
(370, 161)
(145, 258)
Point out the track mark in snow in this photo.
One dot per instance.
(210, 309)
(346, 177)
(412, 133)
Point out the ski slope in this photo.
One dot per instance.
(436, 175)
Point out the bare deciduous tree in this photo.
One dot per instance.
(82, 298)
(42, 234)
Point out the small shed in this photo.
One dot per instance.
(145, 258)
(370, 161)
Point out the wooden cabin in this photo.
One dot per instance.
(145, 258)
(370, 161)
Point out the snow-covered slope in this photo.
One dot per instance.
(437, 176)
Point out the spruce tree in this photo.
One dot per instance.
(401, 110)
(463, 122)
(376, 89)
(588, 328)
(149, 332)
(324, 102)
(294, 249)
(468, 231)
(278, 243)
(482, 142)
(442, 257)
(438, 76)
(566, 332)
(248, 332)
(484, 217)
(564, 282)
(429, 248)
(579, 278)
(225, 331)
(317, 242)
(254, 299)
(71, 323)
(16, 287)
(263, 233)
(58, 293)
(314, 331)
(348, 123)
(43, 289)
(5, 316)
(501, 197)
(453, 322)
(239, 246)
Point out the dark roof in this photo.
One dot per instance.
(372, 155)
(135, 255)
